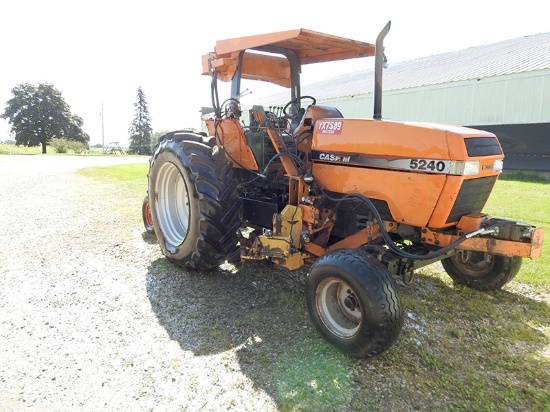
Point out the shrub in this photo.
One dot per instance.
(77, 147)
(63, 145)
(60, 144)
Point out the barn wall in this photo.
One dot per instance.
(510, 99)
(515, 107)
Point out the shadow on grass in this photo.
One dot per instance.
(260, 313)
(463, 349)
(149, 238)
(459, 349)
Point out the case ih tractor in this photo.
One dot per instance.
(357, 201)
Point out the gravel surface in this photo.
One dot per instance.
(94, 319)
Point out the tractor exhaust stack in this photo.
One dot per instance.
(378, 68)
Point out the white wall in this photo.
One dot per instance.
(511, 99)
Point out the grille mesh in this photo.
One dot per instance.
(482, 146)
(472, 197)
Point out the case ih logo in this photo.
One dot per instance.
(334, 158)
(329, 127)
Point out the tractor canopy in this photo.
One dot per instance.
(277, 57)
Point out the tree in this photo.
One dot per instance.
(155, 137)
(38, 114)
(140, 130)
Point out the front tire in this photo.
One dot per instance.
(480, 270)
(194, 202)
(354, 302)
(146, 215)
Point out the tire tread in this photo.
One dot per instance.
(217, 198)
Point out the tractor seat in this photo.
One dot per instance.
(311, 115)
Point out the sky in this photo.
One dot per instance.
(97, 53)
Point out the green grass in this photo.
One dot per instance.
(11, 149)
(130, 177)
(527, 201)
(123, 188)
(526, 176)
(460, 349)
(311, 376)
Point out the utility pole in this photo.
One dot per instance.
(102, 130)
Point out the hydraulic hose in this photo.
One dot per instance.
(388, 240)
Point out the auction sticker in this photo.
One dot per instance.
(330, 127)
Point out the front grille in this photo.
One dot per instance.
(472, 197)
(482, 146)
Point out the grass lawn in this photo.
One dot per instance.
(11, 149)
(460, 349)
(528, 202)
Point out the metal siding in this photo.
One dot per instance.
(352, 107)
(459, 105)
(544, 103)
(505, 100)
(489, 102)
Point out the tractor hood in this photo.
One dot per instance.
(383, 142)
(425, 175)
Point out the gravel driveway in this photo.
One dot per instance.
(94, 318)
(83, 326)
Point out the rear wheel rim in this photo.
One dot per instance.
(172, 204)
(339, 308)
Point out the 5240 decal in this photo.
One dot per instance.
(427, 165)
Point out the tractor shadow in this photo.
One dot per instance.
(149, 238)
(259, 312)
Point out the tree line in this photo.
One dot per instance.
(40, 116)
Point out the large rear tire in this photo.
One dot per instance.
(480, 270)
(194, 202)
(354, 302)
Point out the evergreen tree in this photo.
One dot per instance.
(38, 114)
(140, 130)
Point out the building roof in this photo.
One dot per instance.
(522, 54)
(519, 55)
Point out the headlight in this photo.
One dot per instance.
(465, 168)
(471, 167)
(497, 167)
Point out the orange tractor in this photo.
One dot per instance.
(358, 201)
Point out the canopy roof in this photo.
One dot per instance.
(308, 46)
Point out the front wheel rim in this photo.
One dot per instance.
(474, 264)
(172, 201)
(148, 218)
(339, 308)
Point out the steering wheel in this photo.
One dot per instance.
(231, 108)
(297, 103)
